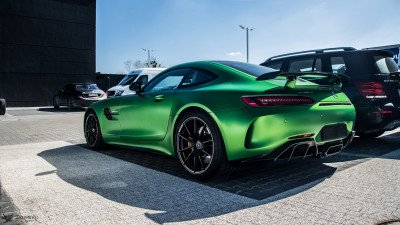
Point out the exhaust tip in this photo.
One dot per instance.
(332, 149)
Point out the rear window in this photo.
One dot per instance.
(252, 69)
(85, 87)
(274, 65)
(305, 65)
(385, 65)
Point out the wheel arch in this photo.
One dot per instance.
(197, 107)
(88, 110)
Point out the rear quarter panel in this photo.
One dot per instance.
(267, 127)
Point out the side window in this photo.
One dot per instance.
(317, 65)
(166, 81)
(302, 65)
(338, 65)
(197, 76)
(143, 79)
(305, 65)
(274, 65)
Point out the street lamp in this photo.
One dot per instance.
(247, 39)
(148, 55)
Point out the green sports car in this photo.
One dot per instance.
(209, 114)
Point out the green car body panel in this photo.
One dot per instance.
(142, 121)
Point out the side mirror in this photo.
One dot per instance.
(136, 87)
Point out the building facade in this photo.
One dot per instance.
(45, 44)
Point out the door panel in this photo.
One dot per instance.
(145, 117)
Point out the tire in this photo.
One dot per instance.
(93, 135)
(2, 107)
(55, 103)
(69, 104)
(199, 148)
(370, 135)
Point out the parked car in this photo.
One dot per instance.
(78, 95)
(142, 75)
(214, 112)
(2, 106)
(373, 85)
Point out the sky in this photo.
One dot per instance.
(181, 31)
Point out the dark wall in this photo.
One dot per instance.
(45, 44)
(106, 81)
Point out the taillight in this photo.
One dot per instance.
(383, 112)
(301, 136)
(277, 100)
(371, 90)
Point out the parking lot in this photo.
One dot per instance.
(52, 178)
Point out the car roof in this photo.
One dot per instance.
(206, 63)
(141, 70)
(82, 83)
(318, 52)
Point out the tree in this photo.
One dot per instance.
(139, 64)
(129, 66)
(154, 63)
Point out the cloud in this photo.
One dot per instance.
(235, 54)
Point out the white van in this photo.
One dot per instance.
(143, 75)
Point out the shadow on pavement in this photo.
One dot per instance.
(61, 109)
(370, 148)
(179, 201)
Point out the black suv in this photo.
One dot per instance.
(373, 87)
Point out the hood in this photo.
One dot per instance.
(118, 87)
(98, 91)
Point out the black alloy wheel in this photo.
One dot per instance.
(92, 131)
(55, 103)
(199, 146)
(69, 104)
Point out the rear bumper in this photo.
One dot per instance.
(85, 102)
(306, 148)
(377, 118)
(258, 131)
(392, 125)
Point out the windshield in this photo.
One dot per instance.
(85, 87)
(254, 70)
(386, 65)
(127, 80)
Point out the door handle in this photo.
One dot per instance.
(159, 98)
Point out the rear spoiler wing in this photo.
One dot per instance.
(335, 80)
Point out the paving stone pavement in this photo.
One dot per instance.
(61, 183)
(9, 214)
(65, 183)
(40, 126)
